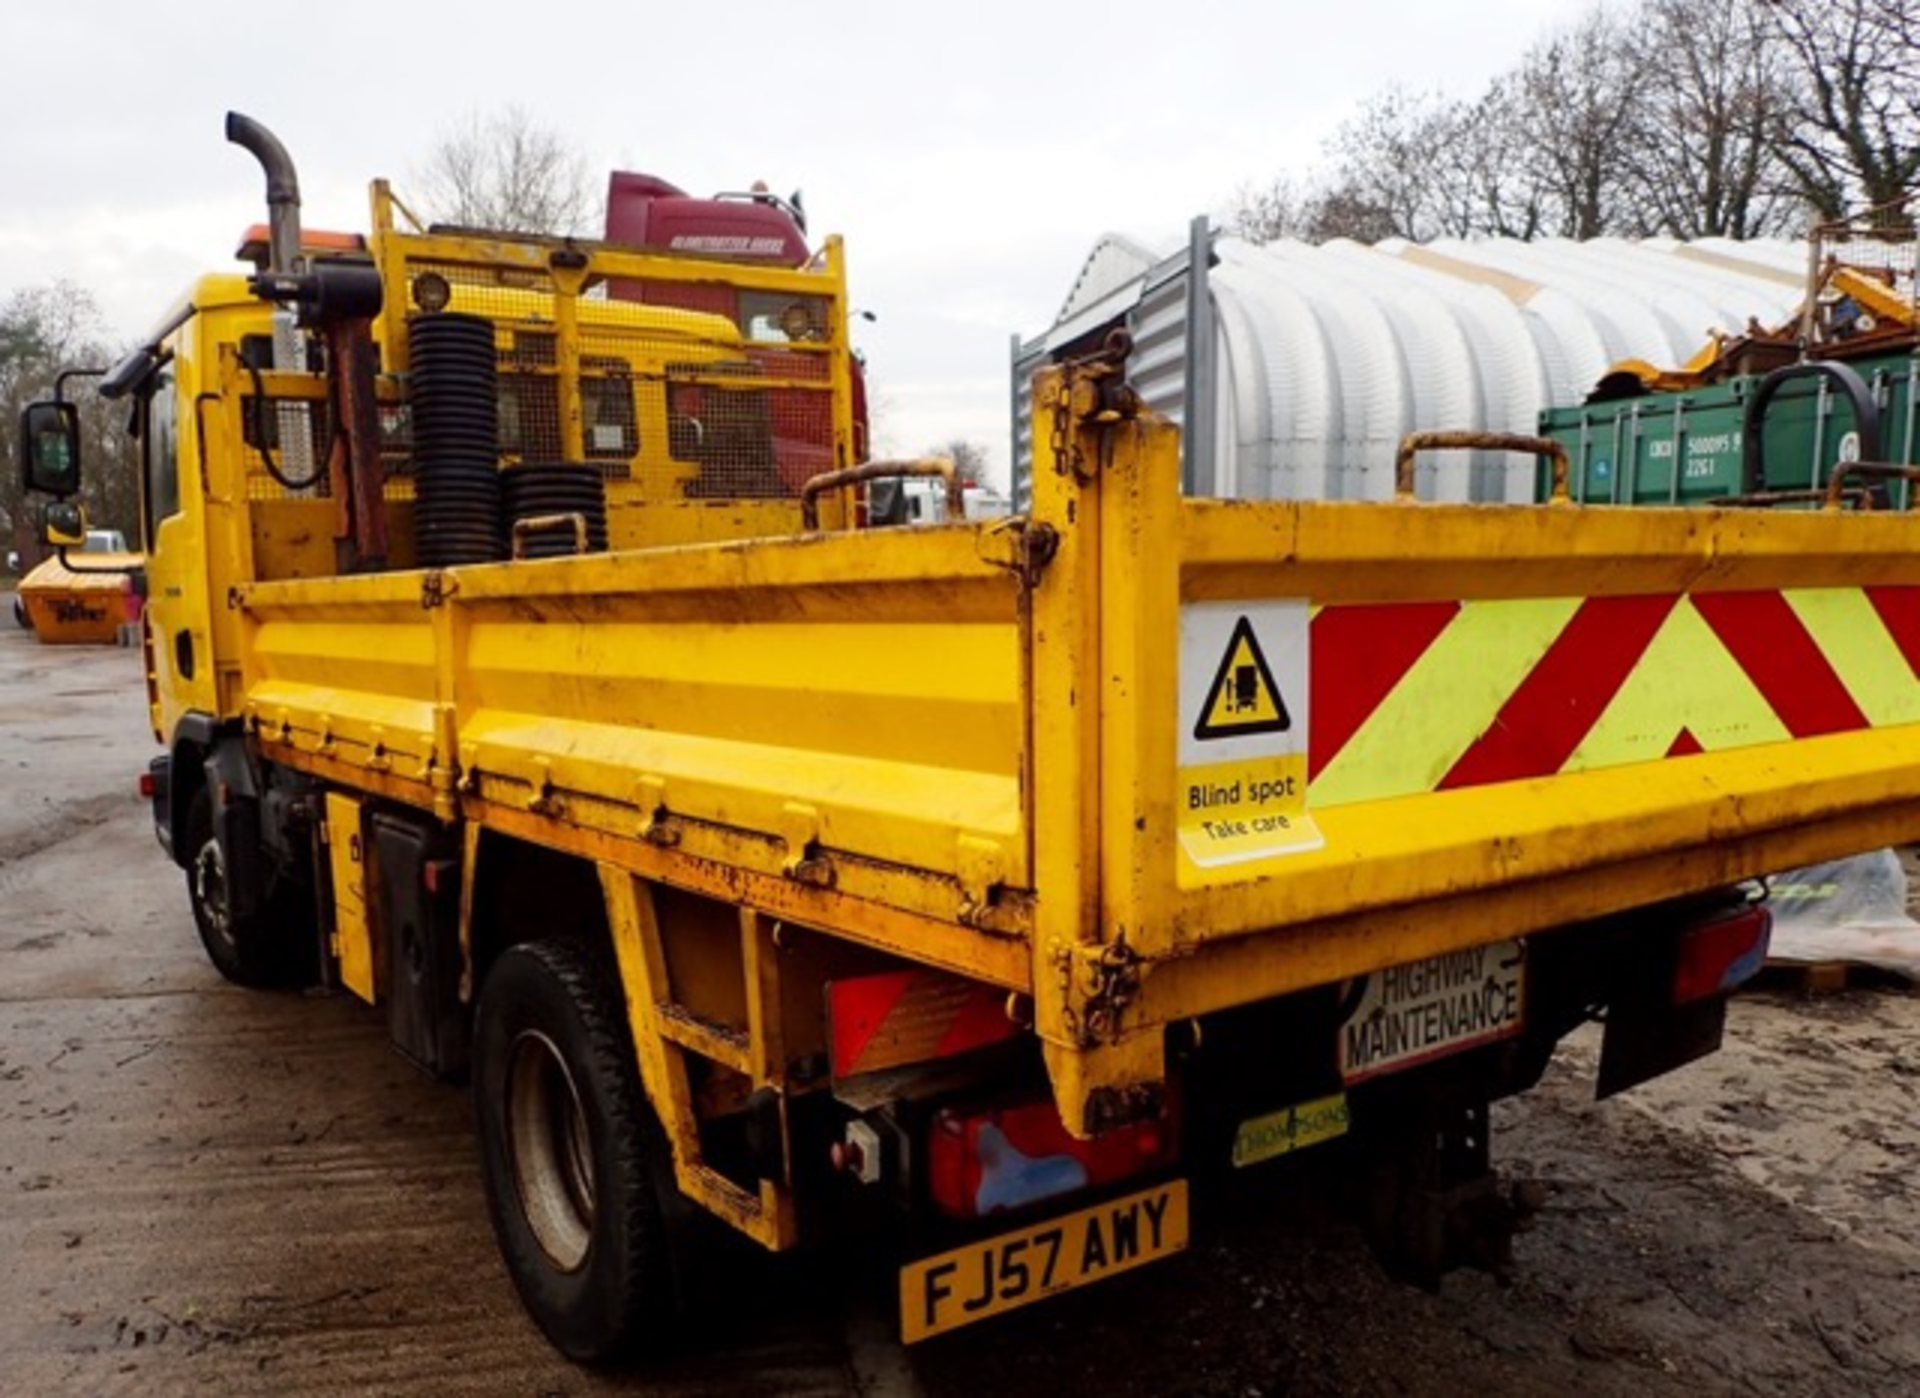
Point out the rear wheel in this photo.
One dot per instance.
(259, 949)
(569, 1151)
(20, 613)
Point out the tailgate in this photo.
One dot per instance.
(1333, 737)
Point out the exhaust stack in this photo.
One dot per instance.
(300, 471)
(283, 188)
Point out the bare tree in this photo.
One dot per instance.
(1480, 182)
(1686, 118)
(502, 171)
(1580, 92)
(1854, 133)
(1339, 207)
(1270, 212)
(1451, 167)
(1545, 149)
(44, 330)
(969, 459)
(1317, 214)
(1715, 85)
(1387, 157)
(1344, 210)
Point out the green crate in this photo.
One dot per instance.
(1686, 448)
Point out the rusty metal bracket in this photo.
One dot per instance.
(545, 799)
(882, 470)
(657, 825)
(1415, 442)
(800, 832)
(1102, 982)
(1110, 358)
(982, 868)
(572, 522)
(815, 870)
(1824, 496)
(1022, 546)
(1838, 484)
(1099, 397)
(436, 589)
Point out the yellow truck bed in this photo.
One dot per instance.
(1141, 757)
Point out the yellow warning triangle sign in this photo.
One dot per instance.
(1243, 699)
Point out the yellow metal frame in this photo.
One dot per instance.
(853, 727)
(1131, 939)
(351, 936)
(666, 1035)
(575, 268)
(960, 746)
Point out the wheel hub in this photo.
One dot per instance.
(210, 889)
(551, 1150)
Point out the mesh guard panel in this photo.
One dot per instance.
(696, 390)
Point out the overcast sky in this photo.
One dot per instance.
(970, 153)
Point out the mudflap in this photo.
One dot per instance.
(236, 825)
(1434, 1203)
(415, 888)
(160, 776)
(1643, 1041)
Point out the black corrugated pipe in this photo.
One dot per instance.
(283, 188)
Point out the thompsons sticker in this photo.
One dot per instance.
(1427, 1009)
(1289, 1129)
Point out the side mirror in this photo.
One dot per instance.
(63, 524)
(50, 448)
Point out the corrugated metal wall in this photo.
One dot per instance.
(1325, 356)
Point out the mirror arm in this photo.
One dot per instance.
(60, 380)
(72, 566)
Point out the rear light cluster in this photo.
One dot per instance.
(1002, 1158)
(1721, 953)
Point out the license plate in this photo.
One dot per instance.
(970, 1283)
(1427, 1009)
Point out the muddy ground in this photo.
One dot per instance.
(206, 1190)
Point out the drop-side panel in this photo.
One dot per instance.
(855, 696)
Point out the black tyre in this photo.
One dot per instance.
(264, 948)
(20, 613)
(571, 1154)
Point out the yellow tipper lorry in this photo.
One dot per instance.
(525, 666)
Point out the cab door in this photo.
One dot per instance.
(173, 521)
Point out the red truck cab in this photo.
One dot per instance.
(756, 226)
(647, 211)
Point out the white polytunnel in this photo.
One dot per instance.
(1317, 359)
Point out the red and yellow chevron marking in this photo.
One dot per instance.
(899, 1017)
(1406, 698)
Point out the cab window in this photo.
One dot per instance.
(159, 452)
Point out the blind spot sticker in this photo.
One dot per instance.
(1242, 751)
(1243, 700)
